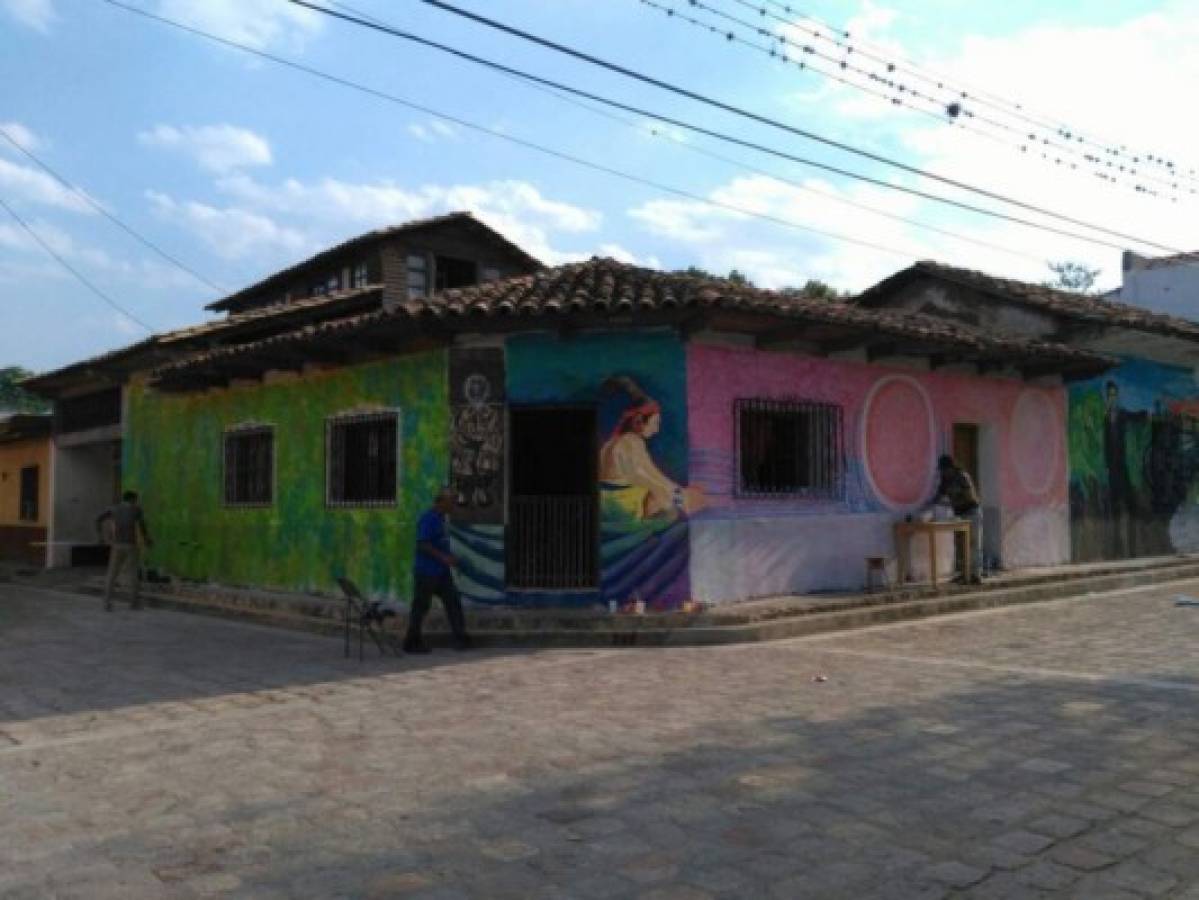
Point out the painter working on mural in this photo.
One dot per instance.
(125, 521)
(956, 488)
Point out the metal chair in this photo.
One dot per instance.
(369, 615)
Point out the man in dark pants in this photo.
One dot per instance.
(432, 574)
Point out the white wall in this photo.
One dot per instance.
(1164, 287)
(84, 484)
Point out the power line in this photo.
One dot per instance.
(721, 136)
(726, 107)
(744, 166)
(521, 142)
(1013, 108)
(79, 275)
(112, 218)
(954, 113)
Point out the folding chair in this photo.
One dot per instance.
(369, 615)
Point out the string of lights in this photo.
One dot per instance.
(407, 36)
(954, 112)
(841, 39)
(741, 165)
(128, 229)
(83, 279)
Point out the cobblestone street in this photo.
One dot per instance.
(1045, 750)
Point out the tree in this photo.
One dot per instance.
(815, 289)
(14, 398)
(1072, 276)
(734, 276)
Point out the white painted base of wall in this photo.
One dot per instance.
(742, 558)
(737, 559)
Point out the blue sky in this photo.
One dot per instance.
(240, 167)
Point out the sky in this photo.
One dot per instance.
(237, 166)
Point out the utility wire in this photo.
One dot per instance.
(112, 218)
(683, 144)
(521, 142)
(1041, 120)
(721, 136)
(955, 113)
(726, 107)
(79, 275)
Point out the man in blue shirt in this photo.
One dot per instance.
(433, 574)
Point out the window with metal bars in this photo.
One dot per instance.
(250, 466)
(788, 448)
(362, 453)
(27, 509)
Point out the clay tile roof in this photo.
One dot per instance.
(1068, 304)
(275, 316)
(590, 285)
(283, 275)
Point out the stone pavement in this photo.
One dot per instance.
(1045, 750)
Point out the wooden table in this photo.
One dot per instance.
(905, 531)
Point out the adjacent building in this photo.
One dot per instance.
(24, 486)
(1132, 432)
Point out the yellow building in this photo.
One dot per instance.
(24, 487)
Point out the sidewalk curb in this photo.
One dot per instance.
(677, 630)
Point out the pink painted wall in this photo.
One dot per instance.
(896, 422)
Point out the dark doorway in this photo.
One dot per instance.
(553, 522)
(965, 451)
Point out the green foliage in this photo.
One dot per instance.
(1072, 276)
(14, 398)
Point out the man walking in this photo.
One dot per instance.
(957, 489)
(125, 521)
(432, 574)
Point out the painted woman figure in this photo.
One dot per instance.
(630, 480)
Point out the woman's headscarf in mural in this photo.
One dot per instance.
(640, 409)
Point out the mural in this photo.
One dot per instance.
(895, 425)
(1134, 463)
(173, 457)
(477, 433)
(636, 385)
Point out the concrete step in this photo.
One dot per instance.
(758, 620)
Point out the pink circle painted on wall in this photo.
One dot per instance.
(1034, 441)
(898, 441)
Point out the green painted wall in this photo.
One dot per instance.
(173, 453)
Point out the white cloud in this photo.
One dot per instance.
(216, 148)
(261, 24)
(429, 132)
(624, 255)
(231, 232)
(36, 14)
(516, 209)
(1067, 70)
(36, 186)
(19, 133)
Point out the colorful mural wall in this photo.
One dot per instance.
(173, 456)
(1134, 463)
(895, 423)
(635, 385)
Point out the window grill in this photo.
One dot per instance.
(789, 448)
(250, 466)
(27, 508)
(362, 453)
